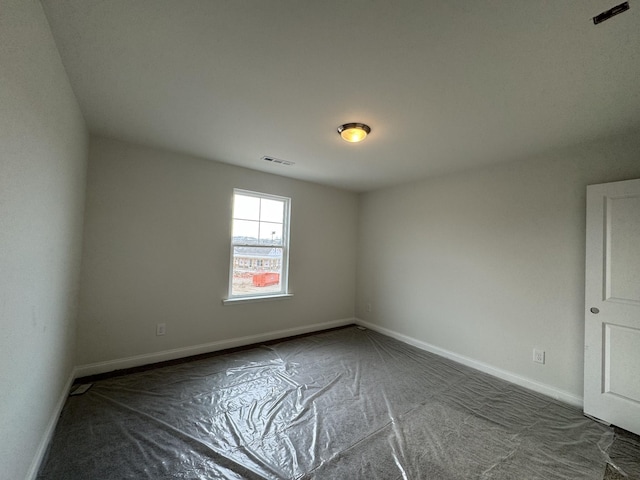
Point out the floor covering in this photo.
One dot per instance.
(340, 404)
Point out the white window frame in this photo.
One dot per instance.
(284, 276)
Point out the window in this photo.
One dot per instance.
(259, 245)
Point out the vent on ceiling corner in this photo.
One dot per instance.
(277, 161)
(612, 12)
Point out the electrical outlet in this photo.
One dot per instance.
(538, 356)
(161, 329)
(368, 307)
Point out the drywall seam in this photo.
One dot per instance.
(146, 359)
(41, 451)
(547, 390)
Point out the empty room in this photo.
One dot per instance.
(278, 239)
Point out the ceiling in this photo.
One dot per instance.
(445, 85)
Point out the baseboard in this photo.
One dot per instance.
(146, 359)
(547, 390)
(51, 426)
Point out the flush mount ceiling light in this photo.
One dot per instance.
(354, 132)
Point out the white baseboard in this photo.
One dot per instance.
(547, 390)
(51, 426)
(146, 359)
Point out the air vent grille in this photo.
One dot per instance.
(278, 161)
(623, 7)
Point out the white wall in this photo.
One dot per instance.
(157, 233)
(489, 264)
(42, 171)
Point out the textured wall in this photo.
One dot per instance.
(157, 243)
(42, 172)
(489, 263)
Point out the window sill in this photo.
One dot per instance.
(265, 298)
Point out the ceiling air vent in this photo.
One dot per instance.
(623, 7)
(278, 161)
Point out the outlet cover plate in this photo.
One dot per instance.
(538, 356)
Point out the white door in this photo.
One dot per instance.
(612, 304)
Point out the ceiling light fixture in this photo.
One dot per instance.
(354, 132)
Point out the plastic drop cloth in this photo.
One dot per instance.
(342, 404)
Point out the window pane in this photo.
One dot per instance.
(245, 207)
(271, 233)
(259, 249)
(272, 211)
(256, 270)
(245, 231)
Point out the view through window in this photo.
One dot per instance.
(259, 244)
